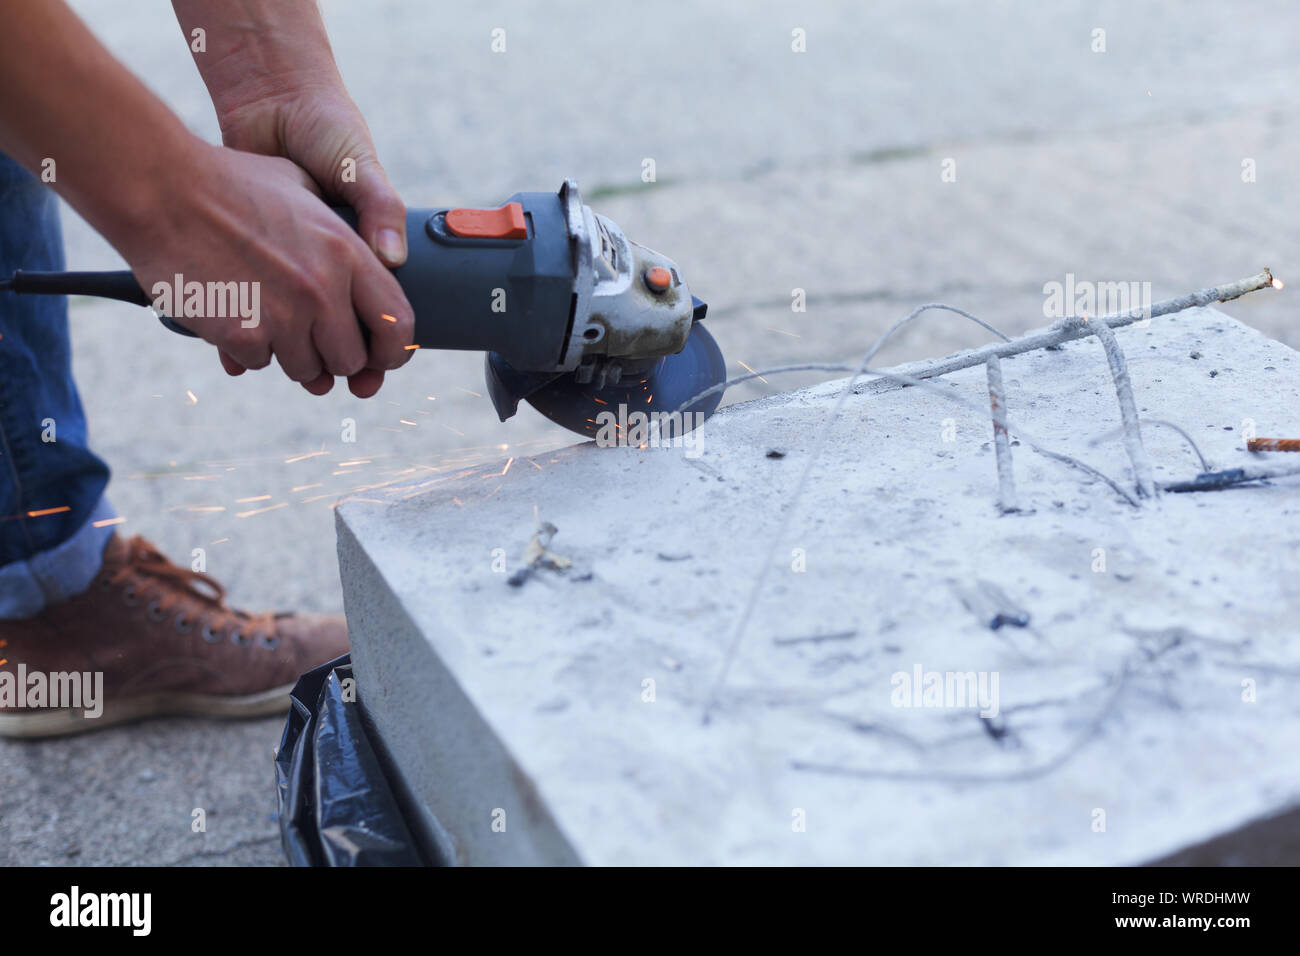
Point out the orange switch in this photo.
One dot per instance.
(504, 223)
(658, 279)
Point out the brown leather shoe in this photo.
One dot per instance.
(159, 640)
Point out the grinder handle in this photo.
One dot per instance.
(120, 285)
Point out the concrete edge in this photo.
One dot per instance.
(464, 759)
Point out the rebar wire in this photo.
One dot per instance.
(1218, 480)
(1001, 445)
(1137, 452)
(793, 501)
(1119, 681)
(1116, 432)
(1064, 331)
(1071, 328)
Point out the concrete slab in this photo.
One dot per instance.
(1144, 707)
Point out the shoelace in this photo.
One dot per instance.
(167, 585)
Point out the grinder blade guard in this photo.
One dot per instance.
(634, 343)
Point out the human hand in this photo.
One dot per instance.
(232, 216)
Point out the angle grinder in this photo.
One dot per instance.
(575, 318)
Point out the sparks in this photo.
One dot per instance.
(193, 398)
(107, 522)
(244, 501)
(49, 511)
(752, 372)
(261, 511)
(310, 454)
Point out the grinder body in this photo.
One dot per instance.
(571, 313)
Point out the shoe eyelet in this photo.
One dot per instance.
(155, 611)
(105, 583)
(128, 595)
(237, 638)
(209, 635)
(182, 625)
(270, 643)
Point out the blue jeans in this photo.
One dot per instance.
(51, 483)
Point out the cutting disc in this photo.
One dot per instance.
(661, 389)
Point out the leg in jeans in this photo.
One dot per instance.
(51, 483)
(156, 638)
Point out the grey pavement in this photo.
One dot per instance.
(775, 170)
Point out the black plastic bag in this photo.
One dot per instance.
(336, 805)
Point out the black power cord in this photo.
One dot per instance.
(105, 285)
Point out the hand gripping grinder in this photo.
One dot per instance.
(575, 318)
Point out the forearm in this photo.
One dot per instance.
(63, 97)
(271, 75)
(255, 50)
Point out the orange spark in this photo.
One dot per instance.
(108, 521)
(261, 511)
(49, 511)
(328, 494)
(310, 454)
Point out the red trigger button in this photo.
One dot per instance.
(504, 223)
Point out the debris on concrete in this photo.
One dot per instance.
(537, 555)
(991, 606)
